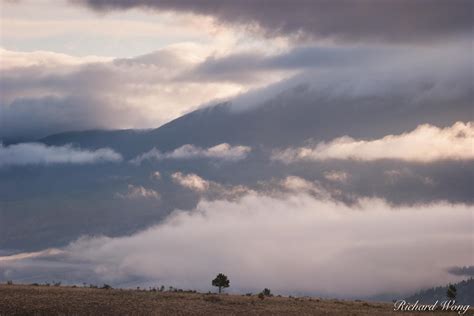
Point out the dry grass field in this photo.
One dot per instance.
(43, 300)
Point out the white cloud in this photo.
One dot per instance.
(30, 255)
(37, 153)
(27, 25)
(222, 151)
(210, 190)
(12, 59)
(156, 175)
(337, 176)
(191, 181)
(139, 192)
(294, 243)
(424, 144)
(227, 152)
(297, 184)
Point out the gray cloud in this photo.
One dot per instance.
(415, 75)
(252, 66)
(362, 20)
(40, 154)
(308, 243)
(462, 271)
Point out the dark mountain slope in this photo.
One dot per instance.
(286, 120)
(465, 293)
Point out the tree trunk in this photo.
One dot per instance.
(220, 289)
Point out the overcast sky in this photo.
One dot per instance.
(75, 65)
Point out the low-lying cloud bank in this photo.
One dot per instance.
(37, 153)
(294, 243)
(426, 143)
(222, 151)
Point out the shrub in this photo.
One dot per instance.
(261, 295)
(106, 287)
(9, 282)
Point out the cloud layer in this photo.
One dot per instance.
(222, 151)
(307, 243)
(40, 154)
(53, 93)
(426, 143)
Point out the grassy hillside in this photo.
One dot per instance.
(43, 300)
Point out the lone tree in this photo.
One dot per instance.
(221, 281)
(451, 292)
(267, 292)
